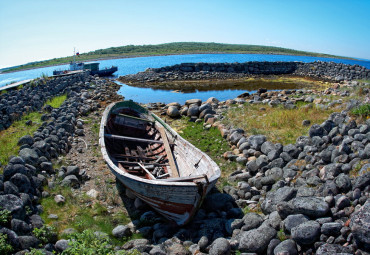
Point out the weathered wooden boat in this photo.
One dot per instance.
(154, 162)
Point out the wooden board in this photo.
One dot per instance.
(171, 160)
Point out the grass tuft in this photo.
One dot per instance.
(57, 101)
(9, 137)
(277, 124)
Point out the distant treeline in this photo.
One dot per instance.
(170, 48)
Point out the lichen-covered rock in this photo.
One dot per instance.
(220, 246)
(256, 240)
(306, 233)
(13, 204)
(360, 225)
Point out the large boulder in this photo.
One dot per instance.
(275, 197)
(13, 204)
(286, 247)
(30, 156)
(220, 246)
(22, 182)
(173, 112)
(313, 207)
(256, 240)
(293, 221)
(306, 233)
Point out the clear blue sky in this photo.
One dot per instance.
(43, 29)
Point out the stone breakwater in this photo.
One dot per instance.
(15, 103)
(202, 71)
(23, 179)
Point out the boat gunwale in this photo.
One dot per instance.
(115, 168)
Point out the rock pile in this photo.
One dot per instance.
(15, 103)
(23, 179)
(206, 71)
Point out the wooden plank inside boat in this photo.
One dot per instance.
(171, 160)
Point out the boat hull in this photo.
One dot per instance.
(178, 201)
(105, 72)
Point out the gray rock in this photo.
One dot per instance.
(36, 221)
(158, 250)
(252, 221)
(61, 245)
(316, 130)
(22, 182)
(256, 240)
(286, 247)
(193, 111)
(177, 249)
(20, 227)
(275, 197)
(361, 182)
(306, 233)
(360, 225)
(342, 202)
(29, 156)
(13, 204)
(27, 242)
(256, 141)
(203, 243)
(220, 246)
(72, 170)
(267, 147)
(121, 231)
(272, 245)
(173, 112)
(274, 220)
(276, 173)
(331, 228)
(71, 180)
(59, 199)
(233, 224)
(328, 249)
(291, 150)
(293, 221)
(235, 137)
(27, 139)
(343, 182)
(12, 237)
(262, 161)
(193, 101)
(10, 188)
(47, 166)
(311, 206)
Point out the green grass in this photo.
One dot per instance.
(362, 111)
(80, 212)
(9, 137)
(57, 101)
(170, 48)
(277, 124)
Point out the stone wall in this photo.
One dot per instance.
(15, 103)
(324, 70)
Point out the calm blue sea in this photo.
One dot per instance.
(145, 95)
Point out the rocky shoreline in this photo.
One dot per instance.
(329, 71)
(311, 197)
